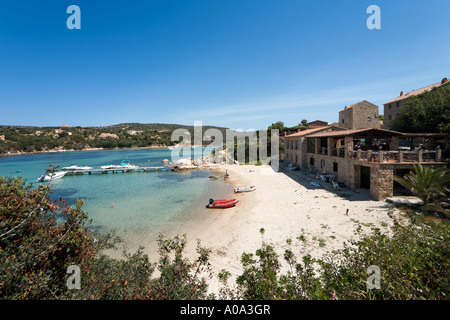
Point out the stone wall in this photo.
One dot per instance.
(324, 163)
(381, 182)
(365, 115)
(391, 110)
(346, 118)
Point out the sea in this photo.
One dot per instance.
(137, 206)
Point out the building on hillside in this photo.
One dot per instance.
(134, 132)
(392, 108)
(360, 115)
(108, 135)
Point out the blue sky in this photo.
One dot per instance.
(242, 64)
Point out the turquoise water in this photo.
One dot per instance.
(138, 205)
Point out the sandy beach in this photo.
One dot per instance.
(286, 206)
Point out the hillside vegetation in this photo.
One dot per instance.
(15, 139)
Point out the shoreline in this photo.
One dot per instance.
(83, 150)
(286, 207)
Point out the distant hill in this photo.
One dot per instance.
(15, 139)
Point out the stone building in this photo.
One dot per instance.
(360, 115)
(295, 145)
(357, 153)
(392, 108)
(108, 135)
(316, 124)
(365, 158)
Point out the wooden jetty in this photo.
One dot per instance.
(116, 170)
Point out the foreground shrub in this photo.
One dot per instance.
(413, 263)
(41, 238)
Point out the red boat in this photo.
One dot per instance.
(220, 204)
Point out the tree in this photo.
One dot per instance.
(278, 125)
(304, 122)
(426, 112)
(35, 247)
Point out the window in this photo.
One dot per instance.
(389, 117)
(310, 145)
(311, 161)
(398, 104)
(390, 106)
(342, 120)
(369, 118)
(335, 166)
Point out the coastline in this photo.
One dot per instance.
(83, 150)
(287, 208)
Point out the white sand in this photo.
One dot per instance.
(286, 206)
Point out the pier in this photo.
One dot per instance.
(115, 170)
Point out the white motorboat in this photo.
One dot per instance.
(125, 164)
(76, 167)
(128, 165)
(110, 166)
(51, 176)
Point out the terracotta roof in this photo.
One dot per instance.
(318, 121)
(350, 132)
(304, 132)
(310, 131)
(348, 107)
(416, 92)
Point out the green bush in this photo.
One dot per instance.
(414, 264)
(40, 239)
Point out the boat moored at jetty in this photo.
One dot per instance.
(125, 164)
(51, 176)
(128, 165)
(76, 167)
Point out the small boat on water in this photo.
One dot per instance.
(125, 164)
(51, 176)
(109, 166)
(221, 204)
(128, 165)
(244, 189)
(76, 167)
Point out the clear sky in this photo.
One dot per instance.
(242, 64)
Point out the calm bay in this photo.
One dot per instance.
(137, 205)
